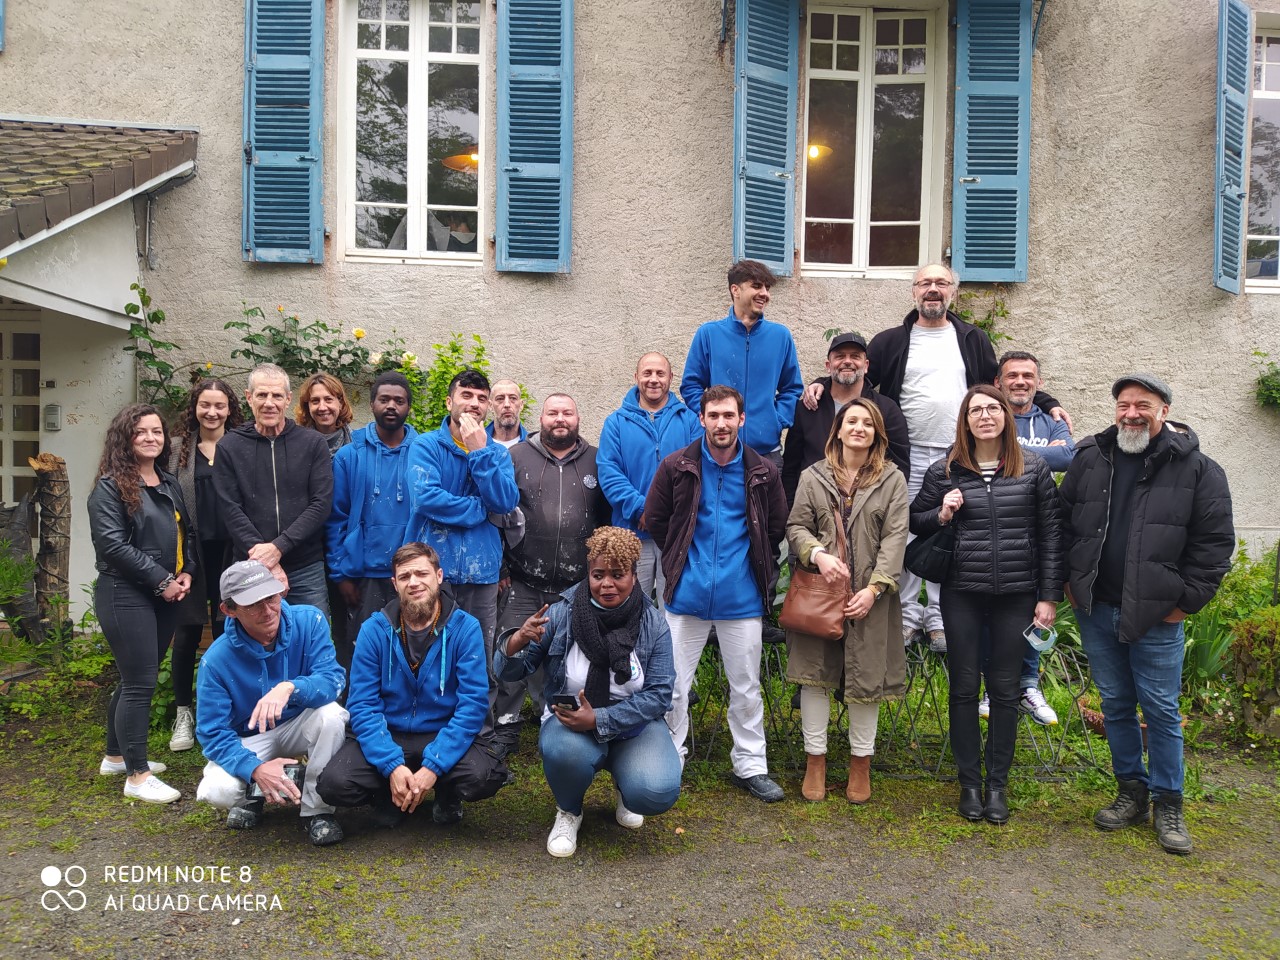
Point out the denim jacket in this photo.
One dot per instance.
(653, 650)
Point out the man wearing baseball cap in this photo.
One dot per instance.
(1147, 518)
(845, 380)
(267, 692)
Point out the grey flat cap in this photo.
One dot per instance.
(1148, 382)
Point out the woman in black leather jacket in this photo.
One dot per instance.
(145, 562)
(1006, 572)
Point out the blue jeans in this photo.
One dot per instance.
(1149, 673)
(645, 768)
(308, 585)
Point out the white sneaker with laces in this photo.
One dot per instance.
(184, 731)
(151, 790)
(563, 840)
(625, 818)
(108, 767)
(984, 707)
(1034, 703)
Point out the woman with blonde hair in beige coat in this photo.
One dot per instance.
(856, 487)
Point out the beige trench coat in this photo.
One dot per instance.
(870, 656)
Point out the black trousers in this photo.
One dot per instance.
(349, 780)
(964, 616)
(138, 627)
(186, 641)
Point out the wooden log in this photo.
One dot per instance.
(22, 613)
(53, 496)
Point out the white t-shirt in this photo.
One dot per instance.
(576, 666)
(933, 385)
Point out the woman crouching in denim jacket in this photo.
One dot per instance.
(609, 678)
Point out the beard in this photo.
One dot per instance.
(1133, 440)
(933, 309)
(564, 441)
(847, 378)
(420, 613)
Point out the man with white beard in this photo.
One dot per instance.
(1147, 519)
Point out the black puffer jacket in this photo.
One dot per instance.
(1180, 529)
(1008, 534)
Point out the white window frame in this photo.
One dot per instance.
(1265, 25)
(347, 55)
(932, 174)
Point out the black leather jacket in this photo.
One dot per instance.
(142, 548)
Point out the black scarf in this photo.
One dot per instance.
(607, 638)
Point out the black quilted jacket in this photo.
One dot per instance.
(1008, 533)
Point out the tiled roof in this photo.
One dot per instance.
(52, 170)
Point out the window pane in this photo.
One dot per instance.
(24, 487)
(440, 39)
(913, 31)
(440, 12)
(398, 11)
(1261, 259)
(468, 40)
(24, 450)
(468, 12)
(26, 383)
(887, 61)
(828, 242)
(1271, 78)
(453, 126)
(26, 418)
(821, 26)
(451, 230)
(381, 228)
(847, 57)
(26, 346)
(899, 152)
(382, 124)
(833, 123)
(1264, 169)
(894, 247)
(369, 10)
(820, 56)
(913, 60)
(847, 27)
(887, 31)
(1273, 49)
(370, 36)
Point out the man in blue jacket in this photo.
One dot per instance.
(419, 697)
(650, 425)
(266, 694)
(370, 504)
(458, 477)
(754, 356)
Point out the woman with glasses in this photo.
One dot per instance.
(1006, 573)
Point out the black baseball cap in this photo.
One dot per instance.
(847, 339)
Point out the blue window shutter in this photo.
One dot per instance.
(283, 110)
(992, 156)
(1230, 214)
(1, 24)
(764, 132)
(535, 135)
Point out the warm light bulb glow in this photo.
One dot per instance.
(818, 151)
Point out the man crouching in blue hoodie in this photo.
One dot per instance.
(266, 695)
(419, 696)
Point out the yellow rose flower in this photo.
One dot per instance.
(280, 308)
(358, 333)
(409, 359)
(208, 366)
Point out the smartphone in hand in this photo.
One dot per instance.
(565, 701)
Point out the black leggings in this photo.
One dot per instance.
(187, 639)
(138, 628)
(1005, 616)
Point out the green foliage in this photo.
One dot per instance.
(1246, 587)
(16, 573)
(159, 380)
(51, 692)
(985, 307)
(432, 388)
(1257, 649)
(1267, 389)
(1208, 654)
(162, 710)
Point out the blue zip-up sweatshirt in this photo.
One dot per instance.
(448, 697)
(370, 505)
(237, 671)
(632, 444)
(1036, 430)
(452, 492)
(759, 363)
(717, 582)
(524, 434)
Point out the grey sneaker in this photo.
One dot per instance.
(1171, 826)
(246, 814)
(1128, 809)
(760, 787)
(984, 706)
(912, 635)
(184, 731)
(937, 641)
(1034, 703)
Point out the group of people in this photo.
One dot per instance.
(435, 581)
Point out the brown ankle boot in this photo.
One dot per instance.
(815, 777)
(859, 789)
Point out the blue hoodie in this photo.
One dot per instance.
(759, 363)
(632, 444)
(524, 434)
(237, 671)
(448, 697)
(452, 492)
(1036, 430)
(370, 505)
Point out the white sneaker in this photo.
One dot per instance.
(563, 840)
(108, 767)
(984, 706)
(1034, 703)
(184, 731)
(625, 818)
(151, 790)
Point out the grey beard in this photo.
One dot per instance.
(848, 379)
(1133, 440)
(933, 309)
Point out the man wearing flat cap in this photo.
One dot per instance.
(1148, 524)
(267, 692)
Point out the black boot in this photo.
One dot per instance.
(996, 809)
(1171, 826)
(1127, 810)
(246, 814)
(970, 803)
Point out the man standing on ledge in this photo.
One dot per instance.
(1147, 518)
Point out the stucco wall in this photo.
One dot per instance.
(1121, 203)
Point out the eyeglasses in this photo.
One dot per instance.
(926, 284)
(992, 410)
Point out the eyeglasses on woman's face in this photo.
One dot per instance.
(992, 410)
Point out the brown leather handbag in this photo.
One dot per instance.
(812, 605)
